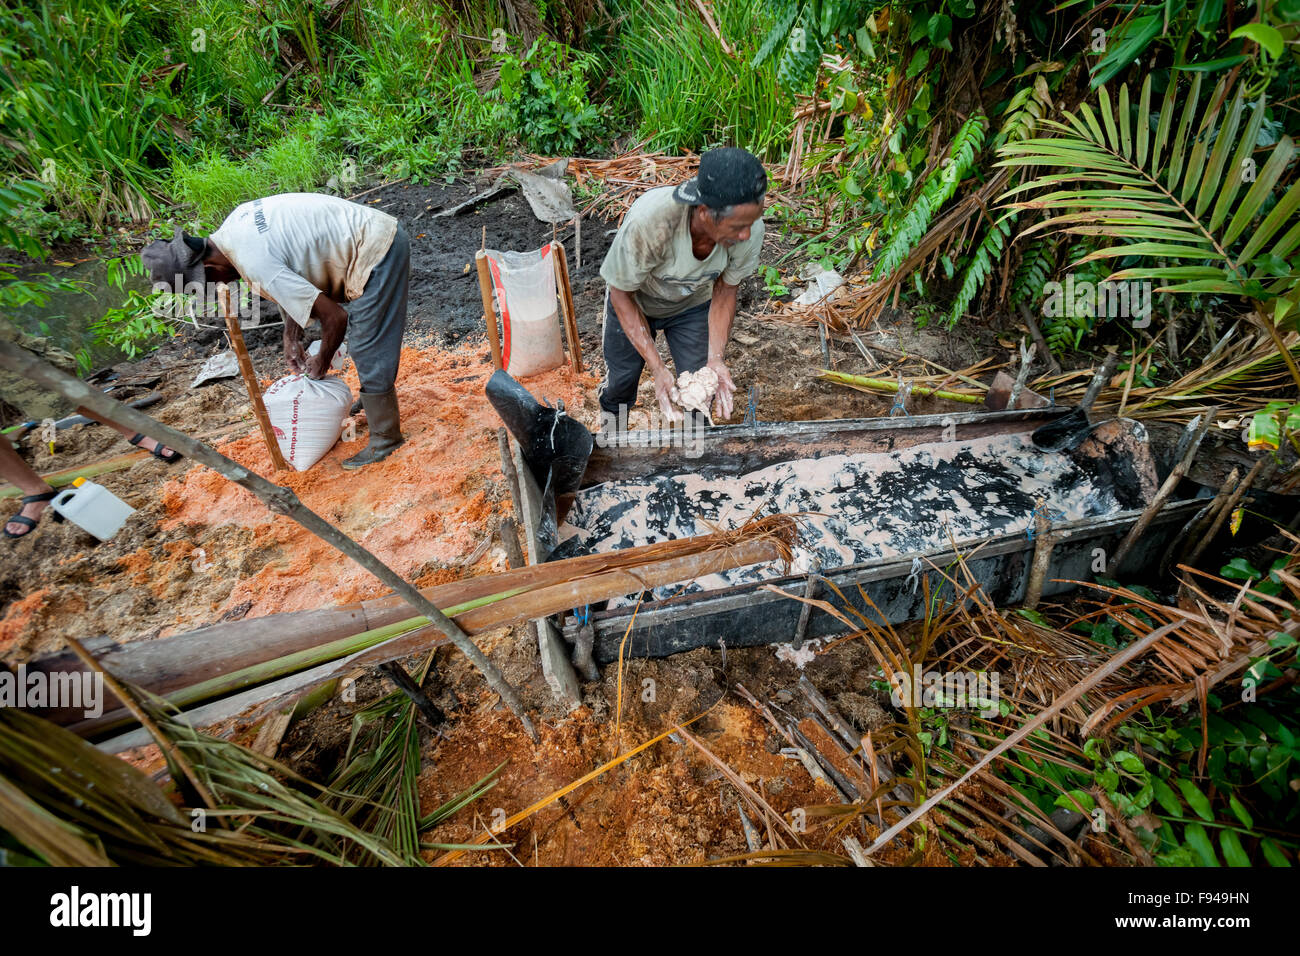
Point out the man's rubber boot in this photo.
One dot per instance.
(385, 435)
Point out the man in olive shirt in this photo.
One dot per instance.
(674, 266)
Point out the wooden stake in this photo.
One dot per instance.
(489, 311)
(1044, 541)
(411, 688)
(512, 476)
(279, 500)
(250, 378)
(565, 291)
(1022, 376)
(1037, 334)
(1166, 489)
(1226, 507)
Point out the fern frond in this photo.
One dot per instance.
(937, 189)
(1024, 112)
(785, 11)
(982, 260)
(797, 67)
(1037, 264)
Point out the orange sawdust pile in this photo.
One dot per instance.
(433, 500)
(19, 616)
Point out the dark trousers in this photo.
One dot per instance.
(688, 340)
(377, 319)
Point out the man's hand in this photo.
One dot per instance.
(317, 366)
(723, 397)
(666, 392)
(294, 354)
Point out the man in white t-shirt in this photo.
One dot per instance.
(674, 267)
(318, 257)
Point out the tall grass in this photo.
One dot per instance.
(671, 70)
(81, 109)
(215, 184)
(404, 100)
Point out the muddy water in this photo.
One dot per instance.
(67, 317)
(854, 508)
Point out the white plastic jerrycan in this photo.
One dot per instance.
(93, 508)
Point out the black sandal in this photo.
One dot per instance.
(21, 518)
(171, 459)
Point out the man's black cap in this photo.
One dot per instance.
(727, 177)
(177, 260)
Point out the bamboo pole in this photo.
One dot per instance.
(884, 385)
(250, 378)
(489, 311)
(219, 650)
(478, 616)
(58, 479)
(278, 499)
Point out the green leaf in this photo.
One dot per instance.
(1230, 844)
(1167, 799)
(1273, 853)
(1239, 569)
(1269, 38)
(1129, 762)
(1208, 15)
(938, 28)
(919, 60)
(1212, 66)
(1197, 800)
(1199, 841)
(1240, 811)
(1136, 37)
(1076, 800)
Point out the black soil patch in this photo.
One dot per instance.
(445, 303)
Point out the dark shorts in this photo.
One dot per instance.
(377, 319)
(687, 333)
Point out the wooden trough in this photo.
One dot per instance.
(751, 614)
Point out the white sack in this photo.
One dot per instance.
(307, 415)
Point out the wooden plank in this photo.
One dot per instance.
(489, 310)
(250, 378)
(737, 449)
(564, 290)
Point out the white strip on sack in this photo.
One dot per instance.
(307, 415)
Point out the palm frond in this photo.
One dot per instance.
(1189, 193)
